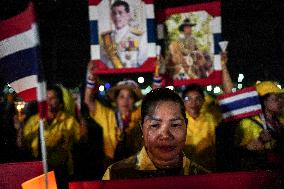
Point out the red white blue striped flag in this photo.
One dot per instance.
(19, 65)
(241, 104)
(19, 45)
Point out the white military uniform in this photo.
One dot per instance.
(130, 46)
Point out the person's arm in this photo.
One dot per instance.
(157, 79)
(226, 78)
(91, 88)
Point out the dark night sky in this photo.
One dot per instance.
(255, 29)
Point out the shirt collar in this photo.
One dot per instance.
(145, 163)
(120, 33)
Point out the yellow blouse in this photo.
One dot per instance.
(200, 139)
(105, 117)
(60, 136)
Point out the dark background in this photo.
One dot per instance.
(254, 29)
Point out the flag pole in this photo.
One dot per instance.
(263, 120)
(41, 97)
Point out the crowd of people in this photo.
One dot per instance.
(169, 134)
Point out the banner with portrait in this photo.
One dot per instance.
(191, 49)
(122, 36)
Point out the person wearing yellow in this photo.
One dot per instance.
(118, 123)
(61, 131)
(163, 123)
(200, 139)
(257, 138)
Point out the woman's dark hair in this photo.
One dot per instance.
(152, 99)
(193, 87)
(58, 92)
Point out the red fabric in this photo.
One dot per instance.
(28, 95)
(12, 175)
(148, 66)
(234, 180)
(42, 109)
(86, 185)
(215, 78)
(23, 23)
(244, 115)
(148, 1)
(94, 2)
(244, 90)
(213, 8)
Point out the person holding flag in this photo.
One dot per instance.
(262, 136)
(61, 132)
(20, 62)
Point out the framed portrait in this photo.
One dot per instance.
(123, 37)
(191, 44)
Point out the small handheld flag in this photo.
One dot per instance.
(241, 104)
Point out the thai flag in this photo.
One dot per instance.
(19, 65)
(241, 104)
(19, 45)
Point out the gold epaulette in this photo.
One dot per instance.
(136, 31)
(105, 33)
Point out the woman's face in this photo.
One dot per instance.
(125, 101)
(272, 103)
(193, 102)
(164, 134)
(52, 101)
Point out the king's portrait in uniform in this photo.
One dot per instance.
(124, 46)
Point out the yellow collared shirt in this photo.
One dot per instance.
(60, 136)
(142, 162)
(200, 139)
(105, 117)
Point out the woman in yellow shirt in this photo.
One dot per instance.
(120, 123)
(252, 136)
(200, 139)
(163, 123)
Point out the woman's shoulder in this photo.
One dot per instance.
(121, 169)
(196, 169)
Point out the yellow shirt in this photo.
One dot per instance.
(60, 136)
(105, 117)
(248, 131)
(211, 106)
(142, 162)
(200, 140)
